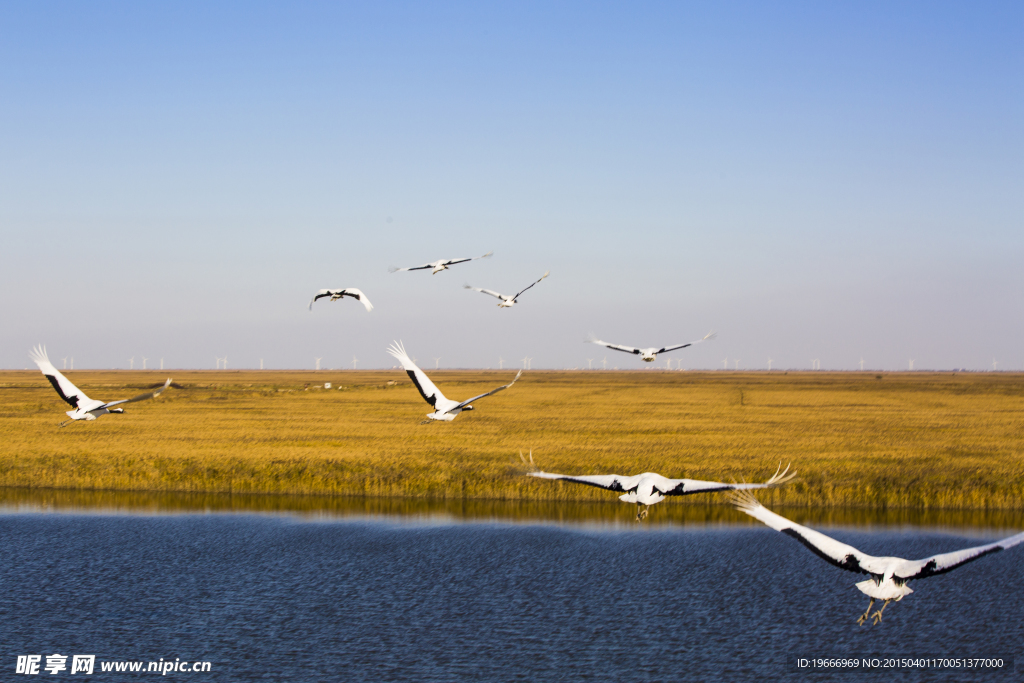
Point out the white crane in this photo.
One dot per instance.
(336, 294)
(506, 301)
(889, 575)
(648, 355)
(439, 265)
(445, 409)
(85, 408)
(649, 488)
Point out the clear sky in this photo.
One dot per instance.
(810, 180)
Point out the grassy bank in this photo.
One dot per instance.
(910, 440)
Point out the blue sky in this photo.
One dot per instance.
(811, 181)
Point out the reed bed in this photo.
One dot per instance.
(893, 440)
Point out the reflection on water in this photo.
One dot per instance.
(613, 512)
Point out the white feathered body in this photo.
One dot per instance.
(645, 493)
(886, 589)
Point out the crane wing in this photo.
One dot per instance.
(320, 295)
(710, 335)
(428, 391)
(141, 397)
(358, 296)
(493, 391)
(395, 269)
(485, 291)
(940, 564)
(627, 349)
(612, 482)
(71, 394)
(684, 487)
(827, 548)
(546, 273)
(463, 260)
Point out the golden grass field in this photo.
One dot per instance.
(895, 440)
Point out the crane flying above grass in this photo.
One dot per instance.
(889, 575)
(445, 409)
(648, 489)
(336, 294)
(439, 265)
(505, 301)
(648, 355)
(85, 408)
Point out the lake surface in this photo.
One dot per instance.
(286, 598)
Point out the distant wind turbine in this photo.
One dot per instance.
(995, 364)
(318, 363)
(862, 365)
(261, 363)
(725, 363)
(437, 363)
(590, 364)
(355, 361)
(161, 363)
(72, 363)
(144, 359)
(604, 362)
(501, 362)
(737, 366)
(769, 365)
(65, 359)
(911, 365)
(131, 363)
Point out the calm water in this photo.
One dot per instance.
(287, 599)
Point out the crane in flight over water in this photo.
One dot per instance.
(445, 409)
(336, 294)
(649, 354)
(649, 488)
(889, 575)
(85, 408)
(505, 300)
(439, 265)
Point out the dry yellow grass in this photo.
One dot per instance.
(911, 440)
